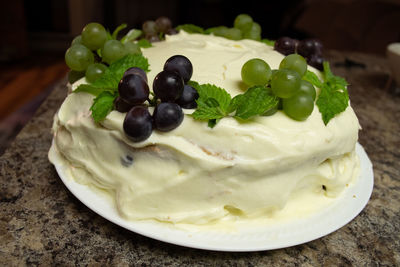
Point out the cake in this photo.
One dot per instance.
(199, 175)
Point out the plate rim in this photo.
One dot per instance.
(167, 233)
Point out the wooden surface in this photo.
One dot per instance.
(41, 222)
(22, 81)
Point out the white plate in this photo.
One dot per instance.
(344, 209)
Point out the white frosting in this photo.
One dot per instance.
(198, 175)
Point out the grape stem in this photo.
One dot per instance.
(152, 102)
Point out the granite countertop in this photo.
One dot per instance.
(41, 222)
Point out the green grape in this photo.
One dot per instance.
(94, 35)
(243, 22)
(256, 72)
(218, 31)
(77, 40)
(285, 83)
(233, 34)
(73, 76)
(132, 48)
(299, 106)
(272, 74)
(308, 88)
(149, 27)
(78, 57)
(95, 71)
(254, 33)
(112, 50)
(294, 62)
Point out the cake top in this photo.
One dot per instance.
(214, 77)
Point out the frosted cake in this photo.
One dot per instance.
(195, 174)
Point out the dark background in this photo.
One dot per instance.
(36, 33)
(48, 25)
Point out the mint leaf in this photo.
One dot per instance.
(336, 82)
(103, 104)
(235, 103)
(333, 98)
(210, 91)
(131, 35)
(117, 30)
(215, 103)
(331, 103)
(207, 113)
(212, 104)
(143, 43)
(87, 88)
(190, 28)
(312, 78)
(268, 42)
(255, 101)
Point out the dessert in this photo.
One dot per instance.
(192, 173)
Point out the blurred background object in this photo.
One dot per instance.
(36, 34)
(393, 55)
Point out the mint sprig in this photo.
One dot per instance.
(190, 28)
(131, 36)
(334, 97)
(215, 103)
(103, 104)
(111, 77)
(106, 87)
(312, 78)
(255, 101)
(144, 43)
(87, 88)
(114, 35)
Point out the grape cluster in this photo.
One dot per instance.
(243, 28)
(296, 96)
(154, 31)
(93, 50)
(311, 49)
(171, 94)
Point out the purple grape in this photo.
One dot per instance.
(168, 86)
(163, 24)
(188, 97)
(181, 65)
(133, 89)
(167, 116)
(138, 124)
(121, 105)
(318, 46)
(316, 61)
(309, 47)
(137, 71)
(286, 45)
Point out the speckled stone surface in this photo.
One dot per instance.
(42, 223)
